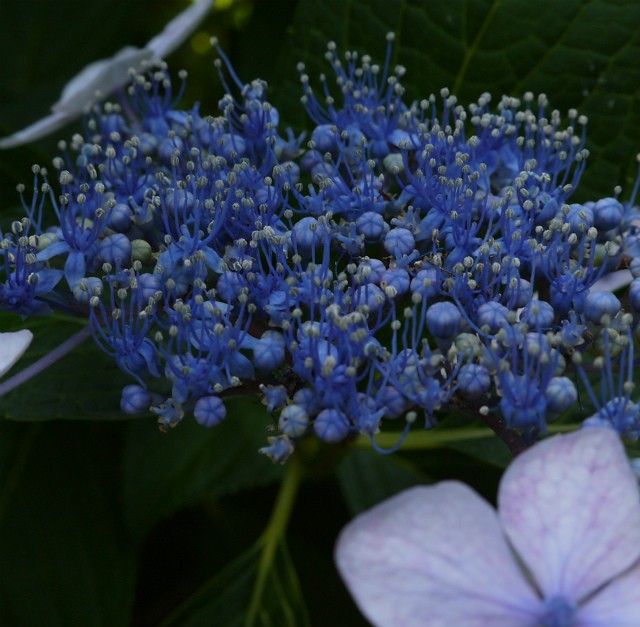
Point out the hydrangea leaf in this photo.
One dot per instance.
(366, 478)
(226, 598)
(500, 46)
(164, 472)
(65, 560)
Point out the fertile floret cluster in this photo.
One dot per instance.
(401, 259)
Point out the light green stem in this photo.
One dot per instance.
(274, 533)
(436, 438)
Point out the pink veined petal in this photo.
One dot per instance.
(434, 556)
(12, 346)
(571, 509)
(616, 605)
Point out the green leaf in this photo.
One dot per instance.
(367, 477)
(490, 450)
(225, 600)
(501, 46)
(84, 385)
(65, 560)
(166, 471)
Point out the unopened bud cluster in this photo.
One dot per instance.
(400, 256)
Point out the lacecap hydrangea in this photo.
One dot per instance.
(402, 259)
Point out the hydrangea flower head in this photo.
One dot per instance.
(563, 549)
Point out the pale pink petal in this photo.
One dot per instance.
(434, 556)
(616, 605)
(179, 28)
(571, 509)
(612, 281)
(99, 79)
(41, 128)
(12, 347)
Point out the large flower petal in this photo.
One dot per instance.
(616, 605)
(43, 127)
(571, 509)
(99, 79)
(434, 556)
(179, 28)
(12, 347)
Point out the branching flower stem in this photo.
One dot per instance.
(274, 533)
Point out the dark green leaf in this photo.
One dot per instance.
(489, 450)
(84, 385)
(226, 599)
(64, 559)
(167, 471)
(582, 53)
(367, 477)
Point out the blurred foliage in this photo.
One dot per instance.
(109, 522)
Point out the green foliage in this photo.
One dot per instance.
(166, 471)
(226, 599)
(583, 54)
(65, 558)
(366, 478)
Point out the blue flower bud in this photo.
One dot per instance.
(307, 233)
(426, 283)
(308, 400)
(293, 421)
(398, 278)
(561, 394)
(443, 320)
(474, 380)
(598, 304)
(492, 315)
(634, 294)
(230, 285)
(325, 138)
(209, 411)
(399, 242)
(371, 225)
(120, 218)
(331, 425)
(393, 402)
(275, 396)
(538, 314)
(370, 295)
(607, 214)
(279, 449)
(268, 352)
(231, 146)
(371, 270)
(135, 399)
(520, 294)
(149, 284)
(115, 249)
(85, 288)
(580, 218)
(634, 267)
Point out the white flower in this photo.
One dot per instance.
(12, 346)
(563, 550)
(101, 78)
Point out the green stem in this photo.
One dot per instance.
(274, 533)
(437, 438)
